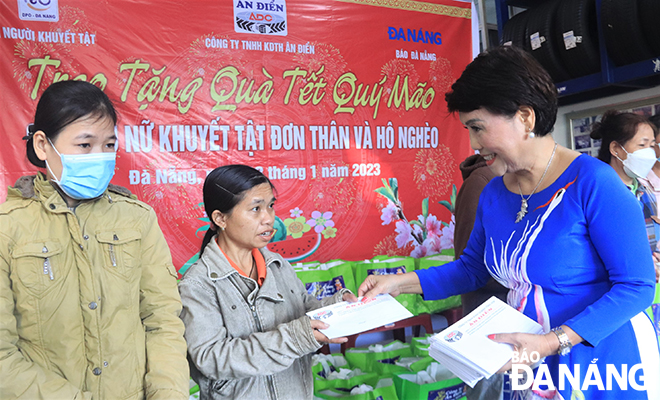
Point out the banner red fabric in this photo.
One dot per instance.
(329, 99)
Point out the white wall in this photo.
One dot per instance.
(562, 127)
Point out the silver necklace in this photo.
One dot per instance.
(523, 203)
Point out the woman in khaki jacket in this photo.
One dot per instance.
(88, 300)
(243, 306)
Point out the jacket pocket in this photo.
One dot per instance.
(224, 388)
(39, 265)
(121, 250)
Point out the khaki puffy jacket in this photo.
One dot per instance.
(89, 306)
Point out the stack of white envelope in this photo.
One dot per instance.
(464, 347)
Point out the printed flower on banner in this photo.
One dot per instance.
(294, 238)
(433, 226)
(329, 232)
(404, 232)
(296, 227)
(420, 251)
(426, 235)
(434, 244)
(447, 238)
(321, 221)
(389, 213)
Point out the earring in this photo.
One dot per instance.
(532, 135)
(223, 228)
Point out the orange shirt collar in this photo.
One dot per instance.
(259, 261)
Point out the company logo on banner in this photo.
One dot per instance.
(38, 10)
(266, 18)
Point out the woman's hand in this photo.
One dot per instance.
(350, 297)
(392, 284)
(533, 348)
(320, 337)
(528, 348)
(656, 263)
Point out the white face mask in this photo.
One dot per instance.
(639, 163)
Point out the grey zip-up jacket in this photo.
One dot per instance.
(246, 342)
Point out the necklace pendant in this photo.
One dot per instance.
(523, 211)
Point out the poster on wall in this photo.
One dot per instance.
(582, 122)
(340, 103)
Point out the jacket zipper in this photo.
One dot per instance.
(269, 378)
(112, 255)
(48, 269)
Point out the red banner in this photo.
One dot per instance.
(340, 103)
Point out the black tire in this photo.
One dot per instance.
(579, 17)
(542, 21)
(514, 31)
(624, 38)
(649, 15)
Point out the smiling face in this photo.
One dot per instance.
(84, 136)
(249, 225)
(497, 138)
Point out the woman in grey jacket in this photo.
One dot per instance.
(243, 306)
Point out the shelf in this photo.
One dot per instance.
(522, 3)
(611, 79)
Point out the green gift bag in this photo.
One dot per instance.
(324, 280)
(447, 386)
(420, 345)
(403, 365)
(389, 266)
(365, 358)
(368, 378)
(323, 365)
(194, 389)
(436, 306)
(305, 266)
(384, 390)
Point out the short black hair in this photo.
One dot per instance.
(62, 104)
(503, 79)
(618, 127)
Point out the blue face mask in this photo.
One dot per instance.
(84, 176)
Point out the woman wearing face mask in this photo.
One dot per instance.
(628, 142)
(89, 306)
(652, 184)
(243, 306)
(628, 145)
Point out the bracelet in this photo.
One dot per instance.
(565, 344)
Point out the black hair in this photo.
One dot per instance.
(618, 127)
(225, 187)
(62, 104)
(503, 79)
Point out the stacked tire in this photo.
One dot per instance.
(563, 34)
(627, 40)
(577, 34)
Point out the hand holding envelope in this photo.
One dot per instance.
(346, 318)
(317, 325)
